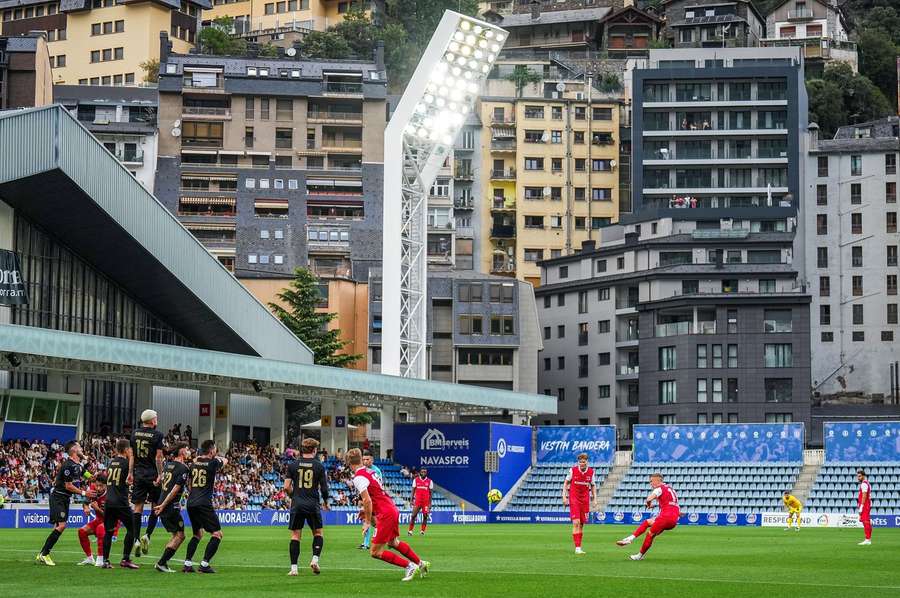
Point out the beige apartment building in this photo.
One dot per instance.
(103, 42)
(279, 15)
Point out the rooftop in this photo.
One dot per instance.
(309, 68)
(96, 94)
(554, 17)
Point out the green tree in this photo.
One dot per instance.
(826, 106)
(151, 70)
(217, 39)
(885, 19)
(860, 99)
(878, 61)
(268, 50)
(522, 76)
(299, 315)
(325, 44)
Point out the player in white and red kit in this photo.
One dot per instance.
(421, 490)
(864, 503)
(375, 501)
(95, 527)
(669, 512)
(579, 491)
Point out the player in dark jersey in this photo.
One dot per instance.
(69, 472)
(307, 485)
(117, 506)
(145, 474)
(200, 507)
(174, 483)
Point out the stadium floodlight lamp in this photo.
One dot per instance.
(417, 141)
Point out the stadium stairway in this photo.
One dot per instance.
(541, 489)
(812, 463)
(835, 488)
(608, 488)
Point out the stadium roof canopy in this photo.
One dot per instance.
(56, 174)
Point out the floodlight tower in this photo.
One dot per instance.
(417, 141)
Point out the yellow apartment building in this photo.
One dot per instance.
(261, 15)
(103, 42)
(549, 175)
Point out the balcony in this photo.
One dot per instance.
(132, 157)
(341, 271)
(201, 142)
(503, 204)
(335, 144)
(800, 14)
(343, 88)
(464, 174)
(503, 145)
(329, 117)
(673, 329)
(628, 335)
(503, 175)
(503, 119)
(504, 267)
(630, 401)
(626, 370)
(201, 111)
(464, 203)
(203, 84)
(500, 231)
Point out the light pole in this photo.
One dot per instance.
(417, 140)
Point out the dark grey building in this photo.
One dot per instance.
(676, 321)
(713, 23)
(275, 163)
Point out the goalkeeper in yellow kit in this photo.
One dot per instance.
(793, 506)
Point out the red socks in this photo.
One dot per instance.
(424, 522)
(412, 524)
(648, 542)
(641, 528)
(407, 551)
(577, 537)
(867, 525)
(389, 557)
(85, 541)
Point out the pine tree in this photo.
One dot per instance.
(299, 314)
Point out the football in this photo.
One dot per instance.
(494, 496)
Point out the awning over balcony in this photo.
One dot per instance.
(209, 226)
(278, 204)
(209, 201)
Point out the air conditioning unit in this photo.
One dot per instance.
(554, 95)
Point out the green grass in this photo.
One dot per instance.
(490, 560)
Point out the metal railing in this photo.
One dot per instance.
(625, 369)
(205, 111)
(503, 204)
(335, 87)
(800, 13)
(348, 143)
(509, 173)
(189, 82)
(503, 232)
(328, 115)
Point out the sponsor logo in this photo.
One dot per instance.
(470, 518)
(284, 517)
(452, 460)
(712, 517)
(732, 518)
(822, 521)
(434, 440)
(879, 522)
(241, 517)
(619, 516)
(553, 446)
(501, 448)
(637, 516)
(751, 518)
(513, 518)
(551, 519)
(694, 517)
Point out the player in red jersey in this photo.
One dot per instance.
(579, 491)
(864, 502)
(421, 490)
(95, 527)
(669, 512)
(374, 500)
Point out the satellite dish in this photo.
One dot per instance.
(176, 132)
(560, 87)
(545, 137)
(547, 191)
(612, 163)
(177, 123)
(291, 52)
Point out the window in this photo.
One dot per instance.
(778, 390)
(546, 332)
(856, 256)
(252, 258)
(582, 366)
(534, 222)
(702, 418)
(561, 331)
(95, 56)
(732, 356)
(561, 363)
(822, 257)
(855, 165)
(887, 335)
(502, 325)
(891, 255)
(668, 392)
(822, 163)
(470, 293)
(580, 165)
(858, 318)
(891, 222)
(717, 356)
(856, 224)
(890, 192)
(890, 164)
(563, 271)
(556, 112)
(264, 108)
(536, 112)
(716, 390)
(601, 194)
(690, 287)
(471, 324)
(533, 255)
(620, 263)
(118, 53)
(702, 357)
(500, 293)
(603, 358)
(821, 224)
(580, 113)
(777, 320)
(778, 418)
(534, 164)
(891, 313)
(602, 326)
(667, 358)
(601, 265)
(284, 138)
(561, 300)
(779, 356)
(855, 193)
(825, 315)
(821, 195)
(602, 113)
(824, 286)
(561, 394)
(669, 419)
(702, 396)
(857, 286)
(603, 391)
(582, 302)
(603, 294)
(547, 364)
(732, 390)
(827, 337)
(582, 398)
(120, 26)
(859, 336)
(555, 136)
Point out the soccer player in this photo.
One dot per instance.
(200, 507)
(793, 506)
(145, 473)
(117, 506)
(375, 501)
(307, 485)
(666, 519)
(578, 492)
(421, 490)
(64, 487)
(95, 527)
(864, 503)
(368, 530)
(174, 483)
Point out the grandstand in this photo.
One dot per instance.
(711, 487)
(400, 488)
(542, 489)
(835, 487)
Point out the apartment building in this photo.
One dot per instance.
(549, 26)
(851, 242)
(549, 172)
(713, 23)
(25, 79)
(719, 133)
(819, 27)
(275, 164)
(482, 330)
(665, 320)
(103, 42)
(123, 119)
(255, 16)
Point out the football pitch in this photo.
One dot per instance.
(487, 560)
